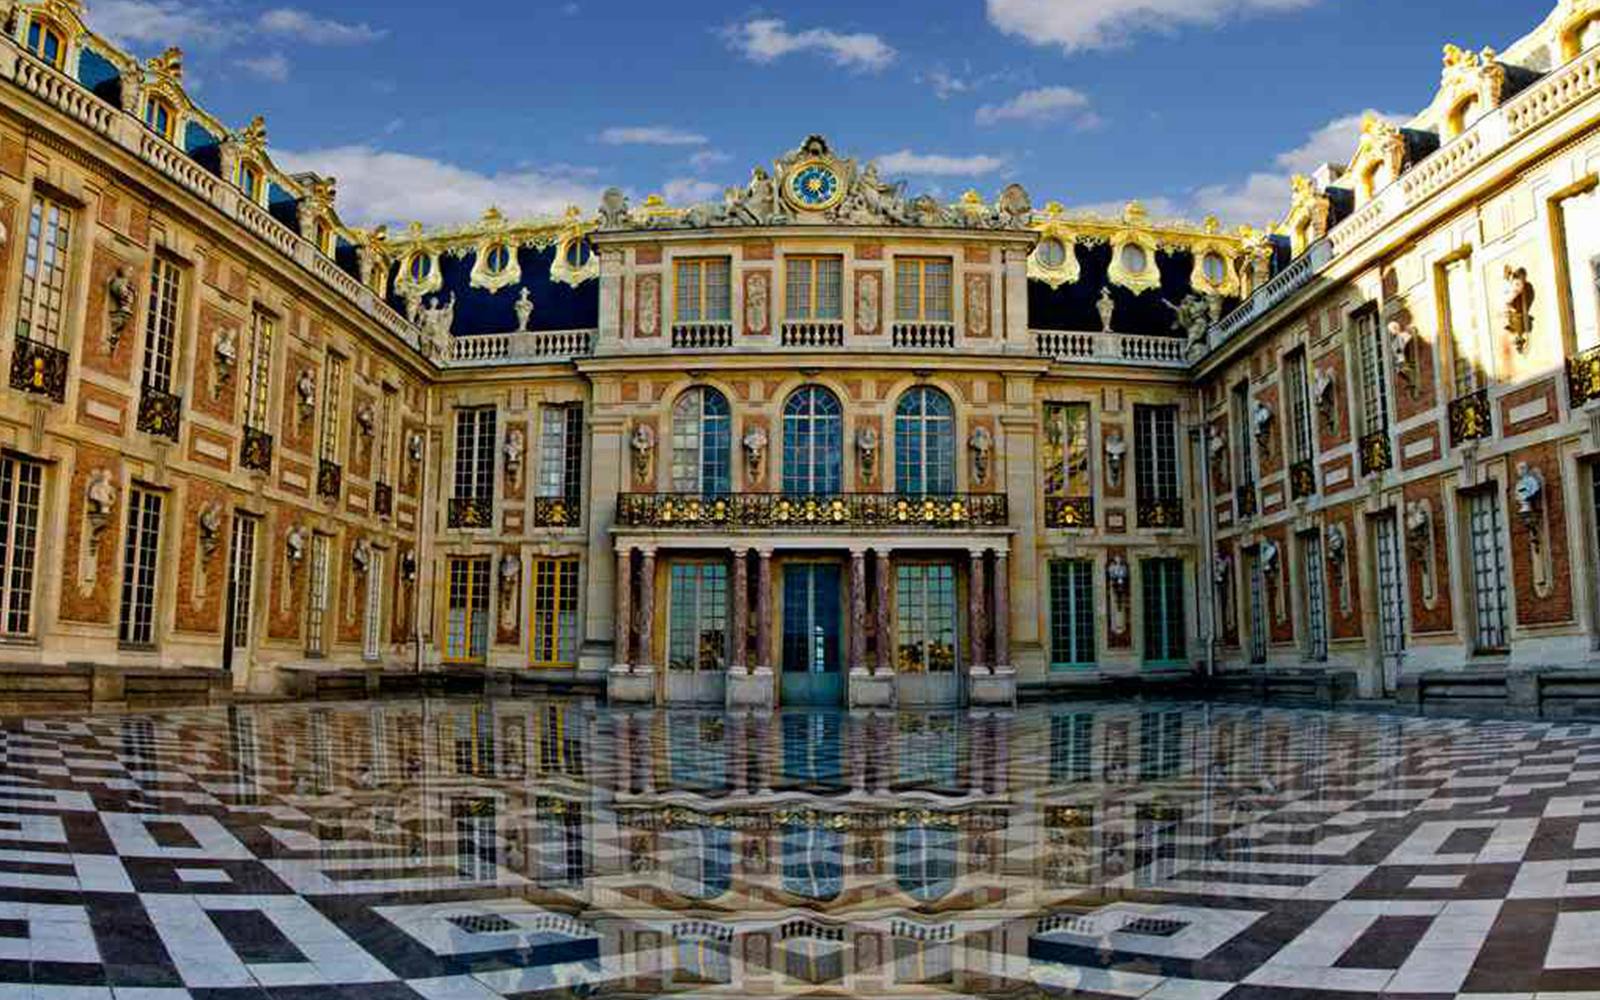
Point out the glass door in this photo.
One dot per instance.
(1391, 599)
(811, 635)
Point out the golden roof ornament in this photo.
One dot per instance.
(253, 137)
(168, 65)
(1134, 214)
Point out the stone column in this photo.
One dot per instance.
(1002, 608)
(975, 609)
(885, 640)
(624, 640)
(741, 610)
(647, 609)
(858, 610)
(764, 610)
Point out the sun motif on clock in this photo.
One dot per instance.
(813, 185)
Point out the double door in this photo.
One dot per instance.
(813, 619)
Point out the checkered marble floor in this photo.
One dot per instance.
(469, 850)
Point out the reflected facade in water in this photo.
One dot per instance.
(525, 845)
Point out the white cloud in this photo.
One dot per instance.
(938, 164)
(273, 66)
(708, 158)
(765, 39)
(1076, 25)
(946, 84)
(1159, 207)
(293, 23)
(161, 22)
(649, 135)
(377, 185)
(689, 191)
(1042, 104)
(1264, 195)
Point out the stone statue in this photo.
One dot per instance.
(1117, 574)
(643, 443)
(1335, 535)
(1014, 208)
(305, 387)
(1269, 557)
(523, 307)
(1528, 487)
(510, 568)
(210, 524)
(1326, 403)
(1116, 449)
(1516, 294)
(1107, 306)
(755, 453)
(414, 447)
(100, 499)
(295, 545)
(516, 445)
(756, 303)
(873, 200)
(367, 419)
(1261, 421)
(1220, 568)
(1417, 519)
(1216, 442)
(867, 452)
(614, 209)
(361, 555)
(226, 352)
(1400, 337)
(1193, 316)
(120, 298)
(981, 444)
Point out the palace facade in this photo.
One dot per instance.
(821, 443)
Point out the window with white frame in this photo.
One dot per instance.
(924, 442)
(1374, 386)
(925, 861)
(141, 555)
(925, 618)
(561, 451)
(475, 446)
(923, 289)
(1072, 640)
(1316, 600)
(703, 293)
(1579, 258)
(46, 257)
(1298, 386)
(1243, 443)
(1488, 572)
(372, 617)
(317, 602)
(559, 826)
(161, 323)
(258, 376)
(332, 389)
(21, 487)
(242, 576)
(813, 287)
(1155, 446)
(1467, 354)
(477, 843)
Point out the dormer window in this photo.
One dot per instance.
(1214, 268)
(159, 115)
(46, 42)
(324, 233)
(1052, 253)
(497, 259)
(420, 268)
(1134, 259)
(250, 181)
(1461, 117)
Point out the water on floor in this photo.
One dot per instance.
(481, 849)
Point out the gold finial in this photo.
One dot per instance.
(493, 216)
(1134, 213)
(168, 65)
(414, 231)
(1211, 224)
(654, 201)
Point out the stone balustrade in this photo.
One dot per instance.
(812, 333)
(518, 348)
(702, 336)
(1110, 348)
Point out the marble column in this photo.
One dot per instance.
(858, 610)
(741, 610)
(1002, 608)
(647, 609)
(885, 640)
(624, 639)
(764, 610)
(975, 608)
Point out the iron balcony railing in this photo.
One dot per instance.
(1069, 512)
(330, 479)
(158, 412)
(255, 452)
(40, 369)
(1470, 418)
(470, 512)
(919, 511)
(1376, 452)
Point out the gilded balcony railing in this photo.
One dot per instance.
(1302, 479)
(255, 451)
(1069, 512)
(1244, 500)
(923, 512)
(1163, 513)
(1470, 417)
(1583, 377)
(554, 512)
(39, 368)
(470, 512)
(1376, 452)
(158, 412)
(383, 499)
(330, 479)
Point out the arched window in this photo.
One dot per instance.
(813, 442)
(924, 442)
(250, 180)
(45, 41)
(925, 861)
(498, 258)
(420, 267)
(158, 114)
(701, 442)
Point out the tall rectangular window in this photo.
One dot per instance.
(1580, 264)
(1258, 608)
(1298, 386)
(372, 617)
(467, 625)
(1391, 586)
(1155, 447)
(559, 832)
(161, 323)
(555, 612)
(1316, 596)
(141, 553)
(241, 576)
(813, 287)
(317, 604)
(925, 618)
(561, 452)
(1243, 443)
(258, 376)
(1467, 353)
(1072, 644)
(475, 440)
(332, 391)
(697, 634)
(21, 483)
(923, 289)
(1488, 571)
(46, 257)
(1072, 746)
(703, 293)
(1066, 455)
(385, 432)
(1162, 583)
(1374, 388)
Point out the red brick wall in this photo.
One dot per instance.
(103, 264)
(288, 590)
(1440, 617)
(1345, 625)
(1333, 428)
(1418, 395)
(1280, 599)
(361, 443)
(1556, 606)
(200, 607)
(209, 394)
(1269, 449)
(297, 431)
(81, 602)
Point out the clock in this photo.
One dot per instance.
(813, 185)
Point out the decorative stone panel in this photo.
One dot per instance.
(287, 591)
(1343, 575)
(202, 562)
(1333, 413)
(1541, 552)
(1529, 408)
(97, 353)
(215, 391)
(1427, 559)
(89, 580)
(298, 429)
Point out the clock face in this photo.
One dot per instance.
(814, 185)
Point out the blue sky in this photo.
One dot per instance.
(432, 111)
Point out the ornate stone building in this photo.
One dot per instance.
(820, 443)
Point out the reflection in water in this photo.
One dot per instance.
(556, 842)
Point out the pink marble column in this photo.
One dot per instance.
(858, 610)
(975, 609)
(741, 610)
(1002, 608)
(885, 640)
(647, 609)
(764, 609)
(624, 640)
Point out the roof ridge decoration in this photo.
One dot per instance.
(1573, 16)
(1134, 226)
(811, 184)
